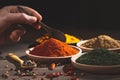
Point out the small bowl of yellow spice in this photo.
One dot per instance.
(101, 41)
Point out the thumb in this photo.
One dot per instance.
(20, 18)
(16, 35)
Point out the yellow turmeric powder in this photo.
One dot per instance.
(53, 48)
(70, 39)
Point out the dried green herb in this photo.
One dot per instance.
(100, 56)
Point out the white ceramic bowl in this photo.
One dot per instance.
(50, 59)
(84, 49)
(94, 68)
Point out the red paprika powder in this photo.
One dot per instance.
(53, 48)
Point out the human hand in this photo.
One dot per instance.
(9, 16)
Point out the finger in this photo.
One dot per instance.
(32, 12)
(14, 9)
(21, 18)
(16, 17)
(15, 35)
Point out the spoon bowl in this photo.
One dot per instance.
(24, 64)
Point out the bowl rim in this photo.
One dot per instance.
(87, 48)
(45, 57)
(96, 69)
(75, 57)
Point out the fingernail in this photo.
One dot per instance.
(37, 27)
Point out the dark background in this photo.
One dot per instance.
(80, 15)
(58, 12)
(77, 13)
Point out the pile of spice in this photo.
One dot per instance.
(43, 38)
(102, 41)
(100, 56)
(70, 39)
(53, 48)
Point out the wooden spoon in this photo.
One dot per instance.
(24, 64)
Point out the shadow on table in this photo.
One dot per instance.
(1, 58)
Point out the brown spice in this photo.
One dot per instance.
(102, 41)
(53, 48)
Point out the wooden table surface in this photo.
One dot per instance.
(20, 48)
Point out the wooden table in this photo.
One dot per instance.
(19, 49)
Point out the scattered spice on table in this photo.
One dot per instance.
(53, 75)
(75, 78)
(68, 69)
(6, 66)
(53, 48)
(5, 74)
(52, 66)
(100, 56)
(102, 41)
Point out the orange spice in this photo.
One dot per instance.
(53, 48)
(52, 66)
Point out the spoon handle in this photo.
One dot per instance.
(44, 26)
(15, 57)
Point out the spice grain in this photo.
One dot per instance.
(102, 41)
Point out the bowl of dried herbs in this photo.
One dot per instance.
(99, 60)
